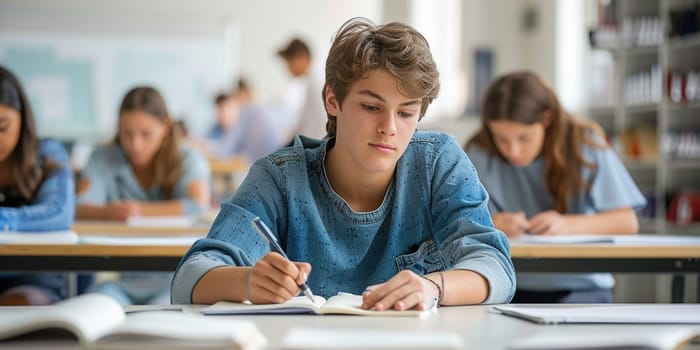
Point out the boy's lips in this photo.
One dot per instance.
(383, 146)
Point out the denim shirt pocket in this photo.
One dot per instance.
(424, 260)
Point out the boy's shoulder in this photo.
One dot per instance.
(433, 139)
(302, 149)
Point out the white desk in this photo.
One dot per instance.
(479, 328)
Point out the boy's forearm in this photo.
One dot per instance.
(228, 283)
(461, 287)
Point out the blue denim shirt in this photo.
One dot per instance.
(53, 209)
(434, 217)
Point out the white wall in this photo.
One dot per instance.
(261, 27)
(265, 25)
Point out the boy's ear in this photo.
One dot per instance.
(332, 105)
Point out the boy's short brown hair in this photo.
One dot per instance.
(361, 46)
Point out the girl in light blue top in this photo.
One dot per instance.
(376, 208)
(37, 192)
(549, 173)
(146, 172)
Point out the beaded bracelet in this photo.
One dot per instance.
(440, 294)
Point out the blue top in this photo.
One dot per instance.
(52, 209)
(434, 216)
(253, 136)
(515, 189)
(112, 178)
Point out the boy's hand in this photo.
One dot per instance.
(404, 291)
(512, 224)
(274, 279)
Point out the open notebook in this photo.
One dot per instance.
(613, 313)
(96, 321)
(342, 304)
(47, 237)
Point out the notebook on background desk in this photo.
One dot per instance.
(48, 237)
(640, 239)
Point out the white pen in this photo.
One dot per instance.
(267, 235)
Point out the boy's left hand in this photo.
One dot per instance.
(406, 290)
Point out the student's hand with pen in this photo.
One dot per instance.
(122, 210)
(513, 224)
(406, 290)
(274, 279)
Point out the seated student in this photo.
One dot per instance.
(37, 192)
(243, 129)
(377, 209)
(548, 173)
(144, 171)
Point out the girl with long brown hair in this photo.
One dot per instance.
(37, 192)
(549, 173)
(145, 171)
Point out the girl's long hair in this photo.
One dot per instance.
(27, 170)
(523, 97)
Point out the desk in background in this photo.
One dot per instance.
(226, 175)
(108, 228)
(603, 257)
(631, 254)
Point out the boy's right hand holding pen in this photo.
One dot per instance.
(275, 279)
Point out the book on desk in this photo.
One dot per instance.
(96, 321)
(341, 304)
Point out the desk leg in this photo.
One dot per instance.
(71, 284)
(678, 289)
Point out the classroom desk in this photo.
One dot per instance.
(599, 257)
(530, 258)
(226, 175)
(103, 228)
(478, 326)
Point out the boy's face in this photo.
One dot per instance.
(375, 122)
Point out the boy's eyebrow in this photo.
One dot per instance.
(380, 98)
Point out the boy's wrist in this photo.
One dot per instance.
(439, 292)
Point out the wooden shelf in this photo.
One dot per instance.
(688, 41)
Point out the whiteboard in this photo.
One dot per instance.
(75, 82)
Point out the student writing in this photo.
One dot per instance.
(549, 173)
(37, 192)
(377, 208)
(144, 171)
